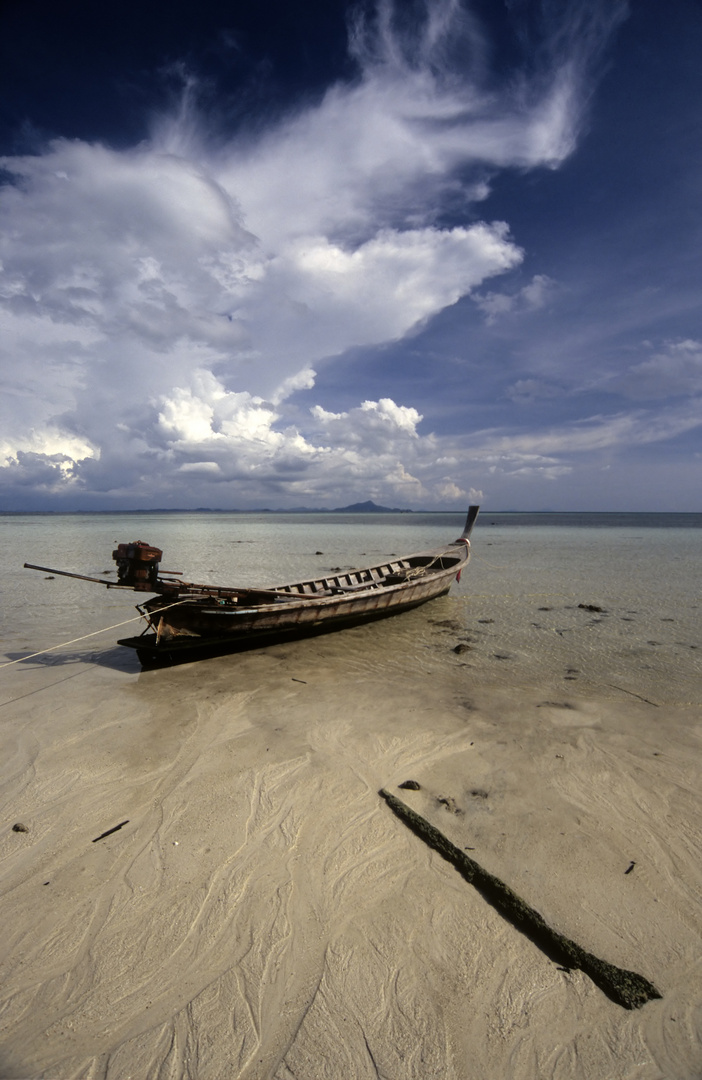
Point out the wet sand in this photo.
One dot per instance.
(261, 913)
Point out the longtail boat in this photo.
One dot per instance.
(187, 621)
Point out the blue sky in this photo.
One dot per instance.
(294, 254)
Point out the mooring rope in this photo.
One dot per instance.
(417, 571)
(52, 648)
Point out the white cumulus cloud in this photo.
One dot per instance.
(159, 305)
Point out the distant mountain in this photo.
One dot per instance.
(368, 508)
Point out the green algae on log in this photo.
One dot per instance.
(626, 988)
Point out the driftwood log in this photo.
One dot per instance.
(626, 988)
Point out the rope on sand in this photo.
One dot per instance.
(626, 988)
(63, 644)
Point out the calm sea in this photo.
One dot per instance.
(596, 603)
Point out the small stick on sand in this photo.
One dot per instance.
(109, 832)
(626, 988)
(632, 694)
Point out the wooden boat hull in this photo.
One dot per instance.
(189, 622)
(186, 649)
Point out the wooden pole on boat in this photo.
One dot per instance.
(67, 573)
(471, 519)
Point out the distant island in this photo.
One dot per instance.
(368, 507)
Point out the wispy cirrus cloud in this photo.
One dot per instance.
(562, 444)
(674, 371)
(530, 297)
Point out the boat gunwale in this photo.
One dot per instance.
(345, 594)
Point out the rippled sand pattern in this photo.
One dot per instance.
(262, 914)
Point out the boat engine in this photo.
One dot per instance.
(137, 565)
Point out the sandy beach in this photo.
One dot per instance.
(259, 913)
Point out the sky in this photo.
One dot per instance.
(292, 254)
